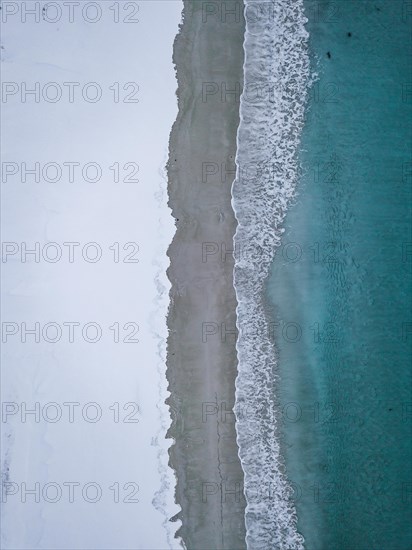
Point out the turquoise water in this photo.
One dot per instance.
(340, 285)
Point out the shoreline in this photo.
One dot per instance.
(201, 347)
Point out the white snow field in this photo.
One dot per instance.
(88, 101)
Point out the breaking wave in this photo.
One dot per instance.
(276, 83)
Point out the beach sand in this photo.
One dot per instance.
(201, 361)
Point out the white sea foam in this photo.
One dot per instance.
(277, 77)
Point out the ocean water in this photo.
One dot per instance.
(322, 198)
(340, 285)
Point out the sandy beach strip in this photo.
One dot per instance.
(201, 361)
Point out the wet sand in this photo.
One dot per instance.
(201, 361)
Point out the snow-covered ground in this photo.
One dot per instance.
(88, 468)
